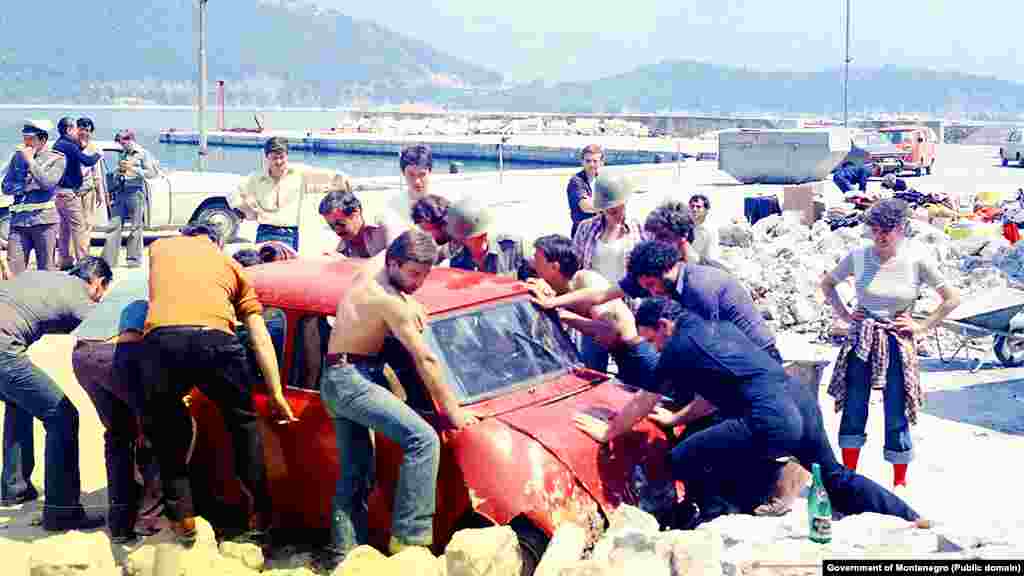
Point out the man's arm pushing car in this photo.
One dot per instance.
(266, 358)
(407, 326)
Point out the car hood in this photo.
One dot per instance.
(631, 470)
(210, 182)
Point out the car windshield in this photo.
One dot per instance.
(491, 350)
(896, 137)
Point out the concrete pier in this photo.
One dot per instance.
(534, 148)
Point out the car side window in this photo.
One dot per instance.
(277, 326)
(308, 350)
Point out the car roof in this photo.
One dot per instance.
(316, 285)
(900, 128)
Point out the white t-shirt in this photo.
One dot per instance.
(705, 243)
(886, 290)
(610, 258)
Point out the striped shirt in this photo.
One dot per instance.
(886, 290)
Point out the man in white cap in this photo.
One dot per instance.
(34, 217)
(469, 223)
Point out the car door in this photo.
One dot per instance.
(301, 457)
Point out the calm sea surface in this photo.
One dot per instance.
(147, 124)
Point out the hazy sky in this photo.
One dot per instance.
(559, 40)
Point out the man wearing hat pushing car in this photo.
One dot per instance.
(32, 178)
(469, 223)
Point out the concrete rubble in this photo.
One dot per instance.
(633, 543)
(781, 262)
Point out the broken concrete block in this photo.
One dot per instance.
(565, 549)
(363, 561)
(250, 555)
(492, 551)
(626, 516)
(416, 561)
(71, 553)
(623, 540)
(691, 552)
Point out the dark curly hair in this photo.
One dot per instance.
(247, 257)
(418, 155)
(671, 216)
(703, 198)
(431, 209)
(651, 258)
(889, 215)
(558, 248)
(653, 309)
(343, 200)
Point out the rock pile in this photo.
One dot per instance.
(634, 543)
(782, 263)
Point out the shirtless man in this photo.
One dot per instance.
(355, 394)
(610, 323)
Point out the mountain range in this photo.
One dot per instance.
(292, 53)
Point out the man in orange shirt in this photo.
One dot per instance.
(190, 341)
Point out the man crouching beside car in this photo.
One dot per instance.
(108, 349)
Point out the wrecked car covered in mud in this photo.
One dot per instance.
(524, 464)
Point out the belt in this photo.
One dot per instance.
(32, 206)
(343, 358)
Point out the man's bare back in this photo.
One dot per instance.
(367, 310)
(615, 311)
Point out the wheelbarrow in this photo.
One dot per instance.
(998, 313)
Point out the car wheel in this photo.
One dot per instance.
(221, 216)
(532, 544)
(1010, 350)
(928, 170)
(917, 171)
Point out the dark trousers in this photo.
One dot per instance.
(30, 393)
(128, 204)
(846, 180)
(287, 234)
(24, 239)
(176, 358)
(109, 373)
(774, 426)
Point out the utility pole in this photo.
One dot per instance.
(201, 120)
(846, 73)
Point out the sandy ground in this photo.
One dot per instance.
(968, 442)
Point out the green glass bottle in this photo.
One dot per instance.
(819, 509)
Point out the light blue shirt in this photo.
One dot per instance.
(124, 307)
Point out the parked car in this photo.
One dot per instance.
(900, 149)
(524, 464)
(1013, 150)
(175, 197)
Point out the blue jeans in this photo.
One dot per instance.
(594, 355)
(357, 398)
(899, 449)
(31, 393)
(287, 234)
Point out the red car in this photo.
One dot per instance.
(524, 465)
(899, 149)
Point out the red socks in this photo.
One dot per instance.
(850, 457)
(899, 475)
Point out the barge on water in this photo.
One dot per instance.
(540, 149)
